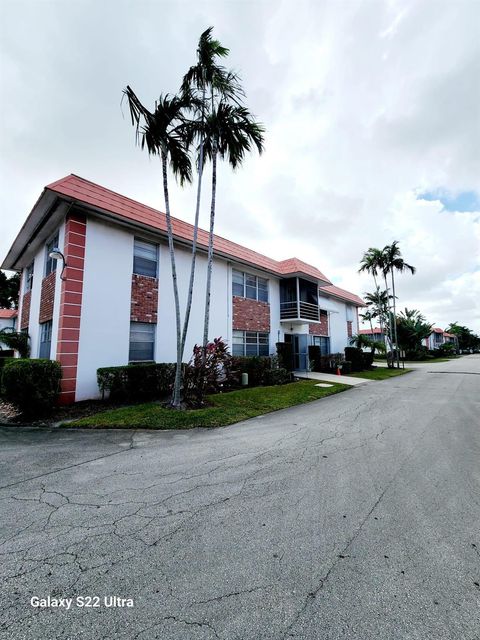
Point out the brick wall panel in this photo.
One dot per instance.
(24, 321)
(250, 315)
(349, 328)
(47, 297)
(144, 299)
(319, 328)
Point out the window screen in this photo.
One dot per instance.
(246, 285)
(142, 341)
(50, 263)
(250, 343)
(145, 258)
(45, 339)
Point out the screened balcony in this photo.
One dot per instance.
(299, 300)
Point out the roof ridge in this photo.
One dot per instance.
(68, 182)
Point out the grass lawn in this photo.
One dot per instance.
(382, 373)
(226, 408)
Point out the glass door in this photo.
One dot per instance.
(299, 342)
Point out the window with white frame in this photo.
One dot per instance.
(246, 285)
(45, 340)
(142, 341)
(145, 258)
(50, 263)
(29, 278)
(250, 343)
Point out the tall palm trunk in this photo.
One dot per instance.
(210, 247)
(188, 308)
(373, 337)
(176, 400)
(395, 320)
(380, 318)
(390, 328)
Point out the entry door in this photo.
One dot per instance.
(300, 350)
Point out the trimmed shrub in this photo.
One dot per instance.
(255, 366)
(315, 357)
(136, 382)
(447, 349)
(367, 358)
(285, 355)
(346, 367)
(32, 385)
(276, 376)
(3, 362)
(422, 353)
(354, 356)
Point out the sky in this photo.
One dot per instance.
(371, 112)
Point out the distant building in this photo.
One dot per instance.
(439, 337)
(8, 319)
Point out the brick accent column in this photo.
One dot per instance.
(144, 300)
(250, 315)
(71, 304)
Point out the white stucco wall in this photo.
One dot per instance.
(7, 322)
(337, 321)
(220, 303)
(275, 326)
(105, 315)
(4, 323)
(38, 275)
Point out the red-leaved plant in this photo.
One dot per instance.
(208, 371)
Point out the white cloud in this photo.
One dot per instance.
(366, 105)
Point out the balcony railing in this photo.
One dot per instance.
(299, 310)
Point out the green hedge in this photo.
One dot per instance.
(276, 376)
(367, 359)
(354, 355)
(255, 366)
(285, 355)
(32, 385)
(136, 382)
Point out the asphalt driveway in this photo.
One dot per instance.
(353, 517)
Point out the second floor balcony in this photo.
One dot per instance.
(299, 310)
(299, 300)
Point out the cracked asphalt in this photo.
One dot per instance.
(353, 517)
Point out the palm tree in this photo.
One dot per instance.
(412, 329)
(379, 302)
(230, 132)
(369, 316)
(361, 340)
(393, 261)
(160, 132)
(372, 262)
(205, 75)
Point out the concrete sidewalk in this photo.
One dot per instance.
(330, 377)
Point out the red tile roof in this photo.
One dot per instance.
(8, 313)
(437, 330)
(449, 335)
(337, 292)
(94, 195)
(376, 330)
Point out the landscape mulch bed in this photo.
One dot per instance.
(10, 415)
